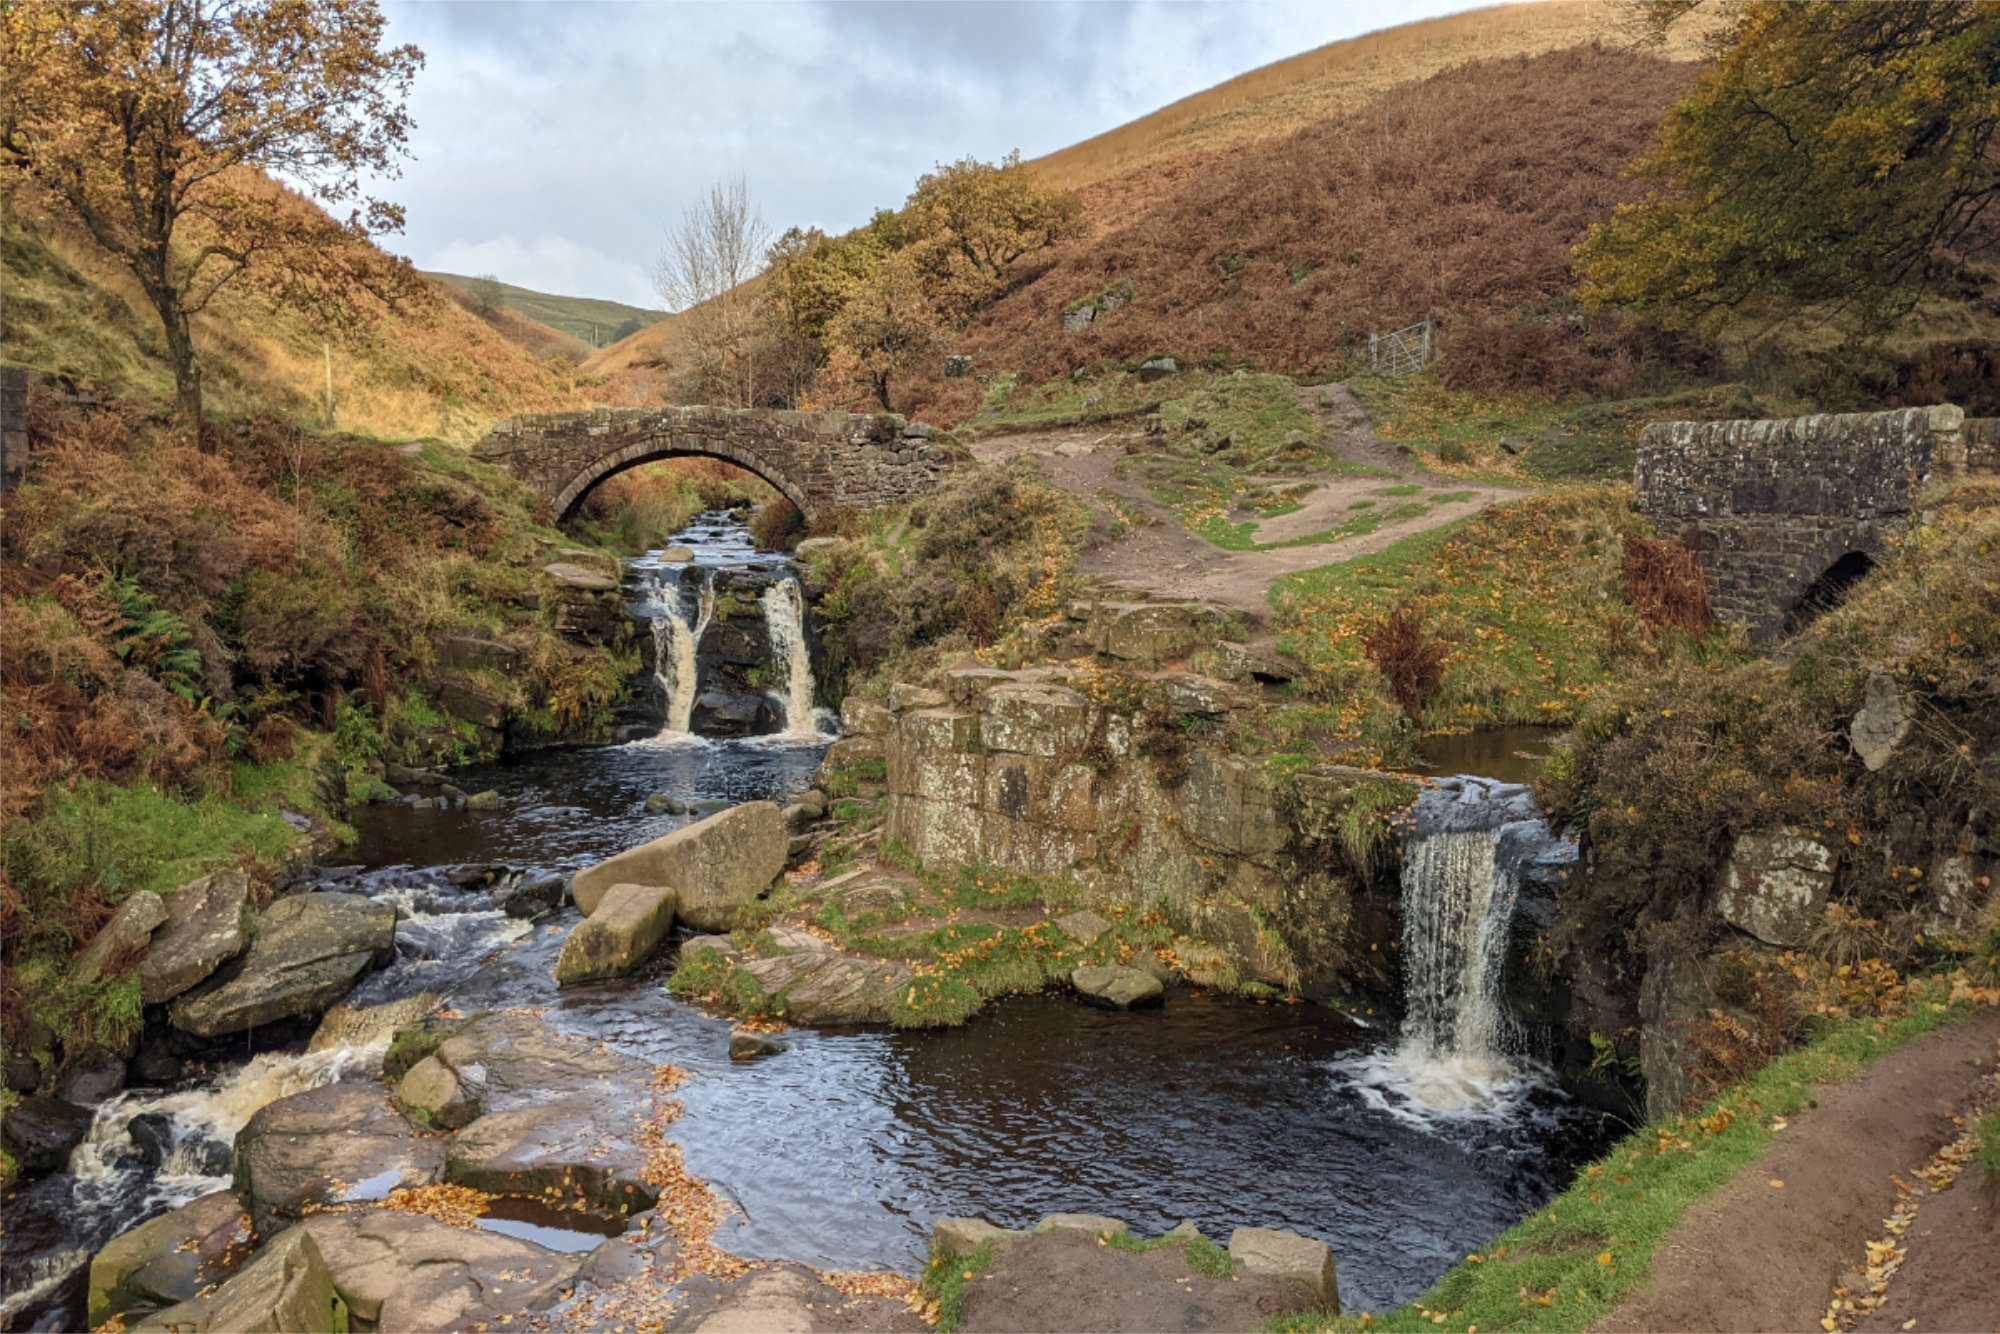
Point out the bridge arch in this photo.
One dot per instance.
(606, 466)
(822, 462)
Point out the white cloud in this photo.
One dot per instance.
(555, 142)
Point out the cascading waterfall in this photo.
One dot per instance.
(785, 619)
(674, 646)
(1473, 845)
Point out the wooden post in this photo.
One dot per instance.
(326, 347)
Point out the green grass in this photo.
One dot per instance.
(1526, 597)
(1566, 1265)
(1202, 1255)
(944, 1282)
(1986, 1145)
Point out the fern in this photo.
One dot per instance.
(154, 640)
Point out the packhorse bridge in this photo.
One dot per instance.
(823, 462)
(1785, 515)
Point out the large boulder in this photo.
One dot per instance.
(331, 1144)
(628, 924)
(122, 940)
(573, 1150)
(1116, 987)
(360, 1026)
(403, 1271)
(40, 1131)
(1775, 886)
(1286, 1255)
(309, 950)
(718, 866)
(204, 928)
(287, 1289)
(170, 1258)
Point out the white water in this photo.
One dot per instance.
(675, 644)
(1457, 907)
(784, 618)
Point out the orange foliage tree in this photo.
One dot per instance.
(145, 122)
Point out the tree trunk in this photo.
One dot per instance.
(187, 375)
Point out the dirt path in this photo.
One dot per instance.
(1157, 557)
(1757, 1256)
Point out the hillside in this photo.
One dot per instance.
(411, 363)
(1286, 95)
(591, 321)
(1459, 197)
(1131, 168)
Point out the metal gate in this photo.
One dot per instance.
(1402, 351)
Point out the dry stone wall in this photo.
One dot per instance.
(1126, 785)
(1773, 506)
(823, 462)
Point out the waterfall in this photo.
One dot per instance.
(1474, 844)
(784, 618)
(674, 645)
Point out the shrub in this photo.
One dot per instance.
(777, 525)
(1409, 659)
(1666, 585)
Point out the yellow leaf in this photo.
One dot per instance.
(1604, 1258)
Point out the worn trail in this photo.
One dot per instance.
(1157, 557)
(1760, 1256)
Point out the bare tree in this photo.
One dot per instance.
(701, 273)
(485, 295)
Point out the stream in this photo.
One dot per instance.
(842, 1151)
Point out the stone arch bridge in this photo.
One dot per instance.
(1784, 515)
(823, 462)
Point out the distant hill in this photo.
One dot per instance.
(422, 366)
(594, 321)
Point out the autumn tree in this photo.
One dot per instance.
(702, 273)
(1836, 154)
(809, 278)
(886, 326)
(982, 219)
(146, 123)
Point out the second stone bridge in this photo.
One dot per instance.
(823, 462)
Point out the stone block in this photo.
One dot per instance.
(963, 1236)
(1044, 720)
(621, 933)
(1097, 1225)
(1287, 1255)
(717, 865)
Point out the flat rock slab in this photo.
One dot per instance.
(963, 1236)
(503, 1061)
(1115, 987)
(787, 1299)
(1067, 1280)
(169, 1259)
(309, 950)
(578, 1152)
(403, 1271)
(334, 1143)
(818, 983)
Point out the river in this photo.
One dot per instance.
(842, 1150)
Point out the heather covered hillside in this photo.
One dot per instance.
(1460, 197)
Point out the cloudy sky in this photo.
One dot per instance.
(555, 142)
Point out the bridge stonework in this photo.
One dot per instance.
(823, 462)
(1781, 512)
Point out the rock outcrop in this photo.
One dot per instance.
(1775, 886)
(403, 1271)
(807, 980)
(287, 1289)
(310, 949)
